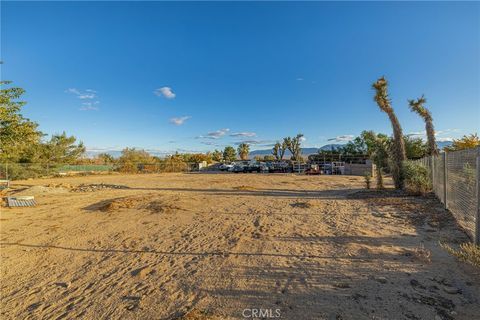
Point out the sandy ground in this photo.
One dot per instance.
(226, 246)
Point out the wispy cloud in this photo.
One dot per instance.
(300, 79)
(180, 120)
(87, 94)
(215, 134)
(243, 134)
(444, 139)
(89, 106)
(439, 134)
(210, 143)
(256, 142)
(343, 138)
(165, 92)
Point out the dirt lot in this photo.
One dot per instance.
(223, 246)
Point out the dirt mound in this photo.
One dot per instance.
(120, 203)
(96, 187)
(159, 206)
(138, 202)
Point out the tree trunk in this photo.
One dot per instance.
(399, 154)
(432, 145)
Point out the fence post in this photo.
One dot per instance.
(432, 170)
(477, 218)
(445, 182)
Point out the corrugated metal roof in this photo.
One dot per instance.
(18, 202)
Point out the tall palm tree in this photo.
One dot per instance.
(398, 154)
(243, 151)
(417, 106)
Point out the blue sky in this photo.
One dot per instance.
(199, 76)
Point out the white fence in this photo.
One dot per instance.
(456, 182)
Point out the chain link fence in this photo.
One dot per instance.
(19, 171)
(456, 182)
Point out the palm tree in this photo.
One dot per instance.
(398, 154)
(243, 151)
(417, 107)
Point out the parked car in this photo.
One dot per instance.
(279, 167)
(238, 167)
(226, 167)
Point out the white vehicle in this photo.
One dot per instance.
(227, 167)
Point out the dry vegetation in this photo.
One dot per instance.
(467, 252)
(207, 246)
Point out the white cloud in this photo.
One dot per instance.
(89, 106)
(300, 79)
(438, 133)
(302, 139)
(88, 94)
(215, 134)
(243, 134)
(343, 138)
(210, 143)
(444, 139)
(256, 142)
(166, 92)
(72, 90)
(180, 120)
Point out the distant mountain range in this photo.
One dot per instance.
(443, 144)
(305, 151)
(328, 147)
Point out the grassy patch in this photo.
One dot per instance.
(467, 252)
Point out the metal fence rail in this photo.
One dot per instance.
(18, 171)
(456, 182)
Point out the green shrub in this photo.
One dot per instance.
(417, 178)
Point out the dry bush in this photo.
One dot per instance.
(422, 254)
(368, 180)
(303, 205)
(244, 188)
(467, 252)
